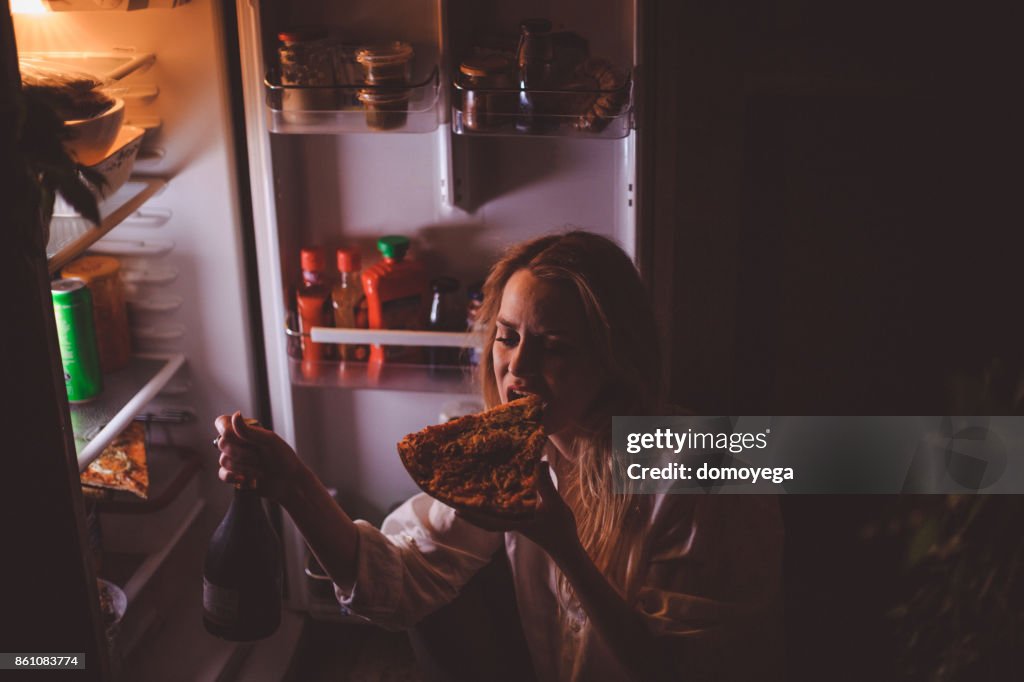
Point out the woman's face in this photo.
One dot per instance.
(541, 346)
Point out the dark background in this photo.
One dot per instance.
(837, 230)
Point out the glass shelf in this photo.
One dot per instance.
(125, 392)
(299, 109)
(389, 377)
(71, 234)
(577, 113)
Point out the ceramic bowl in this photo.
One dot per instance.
(92, 138)
(117, 167)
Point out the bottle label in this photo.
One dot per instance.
(220, 603)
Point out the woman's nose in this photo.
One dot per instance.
(525, 359)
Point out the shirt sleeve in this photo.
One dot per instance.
(417, 562)
(714, 583)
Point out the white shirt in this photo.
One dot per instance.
(711, 592)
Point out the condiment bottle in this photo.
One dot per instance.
(102, 274)
(535, 57)
(242, 571)
(444, 317)
(350, 303)
(313, 301)
(396, 297)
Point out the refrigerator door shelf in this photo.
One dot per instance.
(580, 114)
(454, 379)
(296, 109)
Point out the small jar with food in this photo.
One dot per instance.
(387, 70)
(488, 91)
(307, 66)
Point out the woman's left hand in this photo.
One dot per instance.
(552, 527)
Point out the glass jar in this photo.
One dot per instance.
(385, 109)
(307, 61)
(535, 64)
(483, 110)
(387, 64)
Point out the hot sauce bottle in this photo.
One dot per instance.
(350, 303)
(313, 302)
(397, 294)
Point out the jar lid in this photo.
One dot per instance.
(348, 259)
(444, 285)
(312, 259)
(486, 65)
(393, 246)
(383, 96)
(397, 52)
(89, 268)
(299, 35)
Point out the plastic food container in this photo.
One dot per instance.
(102, 274)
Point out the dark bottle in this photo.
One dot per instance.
(444, 317)
(535, 64)
(242, 574)
(474, 300)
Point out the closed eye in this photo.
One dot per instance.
(508, 341)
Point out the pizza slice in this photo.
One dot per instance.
(485, 462)
(122, 464)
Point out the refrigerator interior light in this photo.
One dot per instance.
(42, 6)
(28, 7)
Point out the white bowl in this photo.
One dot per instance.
(117, 167)
(92, 138)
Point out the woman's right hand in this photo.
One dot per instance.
(251, 452)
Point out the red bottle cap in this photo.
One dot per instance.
(313, 260)
(348, 260)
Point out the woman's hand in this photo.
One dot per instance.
(254, 453)
(553, 526)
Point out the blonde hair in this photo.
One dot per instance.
(622, 325)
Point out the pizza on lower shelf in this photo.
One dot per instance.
(122, 464)
(484, 462)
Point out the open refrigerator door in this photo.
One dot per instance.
(496, 130)
(171, 217)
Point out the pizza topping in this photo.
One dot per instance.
(486, 462)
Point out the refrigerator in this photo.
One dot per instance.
(239, 169)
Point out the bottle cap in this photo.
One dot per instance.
(348, 260)
(393, 247)
(444, 285)
(313, 260)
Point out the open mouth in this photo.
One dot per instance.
(516, 394)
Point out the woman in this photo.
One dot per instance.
(609, 586)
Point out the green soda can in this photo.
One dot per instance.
(76, 334)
